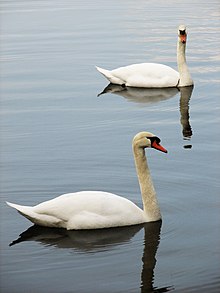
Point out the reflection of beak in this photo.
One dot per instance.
(158, 147)
(183, 38)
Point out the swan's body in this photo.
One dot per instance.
(84, 210)
(147, 75)
(97, 209)
(153, 75)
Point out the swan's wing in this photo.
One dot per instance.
(149, 75)
(92, 210)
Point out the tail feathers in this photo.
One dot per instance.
(108, 74)
(105, 72)
(36, 218)
(25, 211)
(19, 208)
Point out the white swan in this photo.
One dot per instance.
(97, 209)
(153, 75)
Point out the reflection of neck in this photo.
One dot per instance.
(151, 243)
(151, 207)
(185, 78)
(185, 95)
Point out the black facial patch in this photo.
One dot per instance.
(182, 32)
(153, 138)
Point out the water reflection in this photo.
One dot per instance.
(185, 95)
(80, 240)
(101, 240)
(147, 96)
(151, 244)
(141, 95)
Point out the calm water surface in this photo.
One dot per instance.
(58, 136)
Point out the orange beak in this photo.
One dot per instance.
(183, 38)
(158, 147)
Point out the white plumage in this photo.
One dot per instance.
(151, 75)
(83, 210)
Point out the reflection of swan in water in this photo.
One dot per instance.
(141, 95)
(102, 240)
(185, 95)
(83, 240)
(145, 96)
(151, 243)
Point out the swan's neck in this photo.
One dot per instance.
(150, 203)
(185, 77)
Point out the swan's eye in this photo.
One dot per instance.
(182, 32)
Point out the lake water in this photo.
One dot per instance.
(58, 136)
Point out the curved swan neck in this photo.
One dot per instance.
(185, 77)
(150, 203)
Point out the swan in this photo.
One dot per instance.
(153, 75)
(98, 209)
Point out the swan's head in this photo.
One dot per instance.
(148, 140)
(182, 33)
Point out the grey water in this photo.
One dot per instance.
(58, 135)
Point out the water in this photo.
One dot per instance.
(57, 136)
